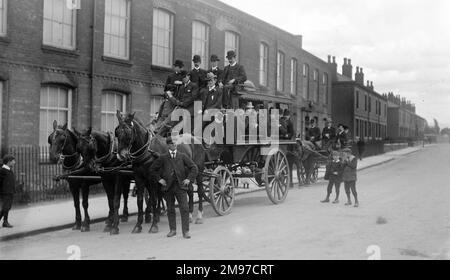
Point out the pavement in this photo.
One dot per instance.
(48, 217)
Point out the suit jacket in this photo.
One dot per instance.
(199, 77)
(170, 82)
(236, 72)
(350, 168)
(212, 99)
(171, 170)
(7, 181)
(341, 138)
(334, 171)
(331, 131)
(313, 132)
(286, 129)
(219, 73)
(187, 95)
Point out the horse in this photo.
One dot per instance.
(302, 154)
(99, 150)
(63, 144)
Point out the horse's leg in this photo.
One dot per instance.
(199, 219)
(148, 208)
(108, 185)
(87, 220)
(126, 191)
(152, 188)
(75, 190)
(140, 183)
(117, 196)
(298, 164)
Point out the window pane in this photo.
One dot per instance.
(44, 97)
(162, 32)
(63, 99)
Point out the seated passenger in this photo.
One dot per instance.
(313, 134)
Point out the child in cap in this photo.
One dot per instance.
(333, 173)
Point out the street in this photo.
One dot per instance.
(404, 213)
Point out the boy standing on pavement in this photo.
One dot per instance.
(333, 174)
(7, 188)
(350, 163)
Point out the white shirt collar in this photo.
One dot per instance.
(214, 68)
(6, 167)
(187, 83)
(234, 64)
(197, 68)
(212, 88)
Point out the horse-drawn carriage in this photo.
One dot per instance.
(116, 160)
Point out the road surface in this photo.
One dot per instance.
(404, 214)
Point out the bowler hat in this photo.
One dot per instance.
(178, 63)
(214, 58)
(196, 58)
(231, 54)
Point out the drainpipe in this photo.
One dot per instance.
(91, 98)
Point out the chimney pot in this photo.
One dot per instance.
(334, 59)
(349, 61)
(345, 61)
(329, 58)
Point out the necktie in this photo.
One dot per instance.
(173, 154)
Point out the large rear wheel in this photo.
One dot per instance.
(277, 176)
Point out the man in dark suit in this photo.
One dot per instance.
(216, 70)
(7, 188)
(187, 95)
(233, 75)
(341, 137)
(176, 172)
(211, 95)
(287, 127)
(313, 134)
(328, 135)
(198, 75)
(175, 80)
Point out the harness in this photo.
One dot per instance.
(63, 157)
(110, 155)
(140, 154)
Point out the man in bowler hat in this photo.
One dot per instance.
(198, 75)
(216, 70)
(233, 75)
(7, 188)
(176, 172)
(174, 80)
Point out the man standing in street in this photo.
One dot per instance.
(233, 75)
(361, 147)
(7, 188)
(176, 172)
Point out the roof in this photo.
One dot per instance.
(342, 78)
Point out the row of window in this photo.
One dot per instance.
(370, 130)
(368, 104)
(56, 104)
(60, 31)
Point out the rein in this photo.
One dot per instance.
(141, 152)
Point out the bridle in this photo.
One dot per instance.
(63, 157)
(141, 152)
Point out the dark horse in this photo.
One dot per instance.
(99, 151)
(63, 144)
(302, 155)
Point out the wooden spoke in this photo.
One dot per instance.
(277, 176)
(222, 196)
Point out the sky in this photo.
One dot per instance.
(403, 45)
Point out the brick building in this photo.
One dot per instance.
(356, 105)
(403, 122)
(80, 65)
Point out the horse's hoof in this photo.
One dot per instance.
(154, 229)
(137, 230)
(114, 231)
(124, 219)
(199, 221)
(85, 229)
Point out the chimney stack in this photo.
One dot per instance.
(333, 67)
(359, 76)
(371, 85)
(347, 68)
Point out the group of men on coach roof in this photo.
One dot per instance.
(217, 88)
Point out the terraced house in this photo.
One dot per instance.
(79, 63)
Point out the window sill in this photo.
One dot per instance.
(161, 68)
(55, 50)
(5, 40)
(117, 61)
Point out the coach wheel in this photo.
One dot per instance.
(222, 191)
(277, 176)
